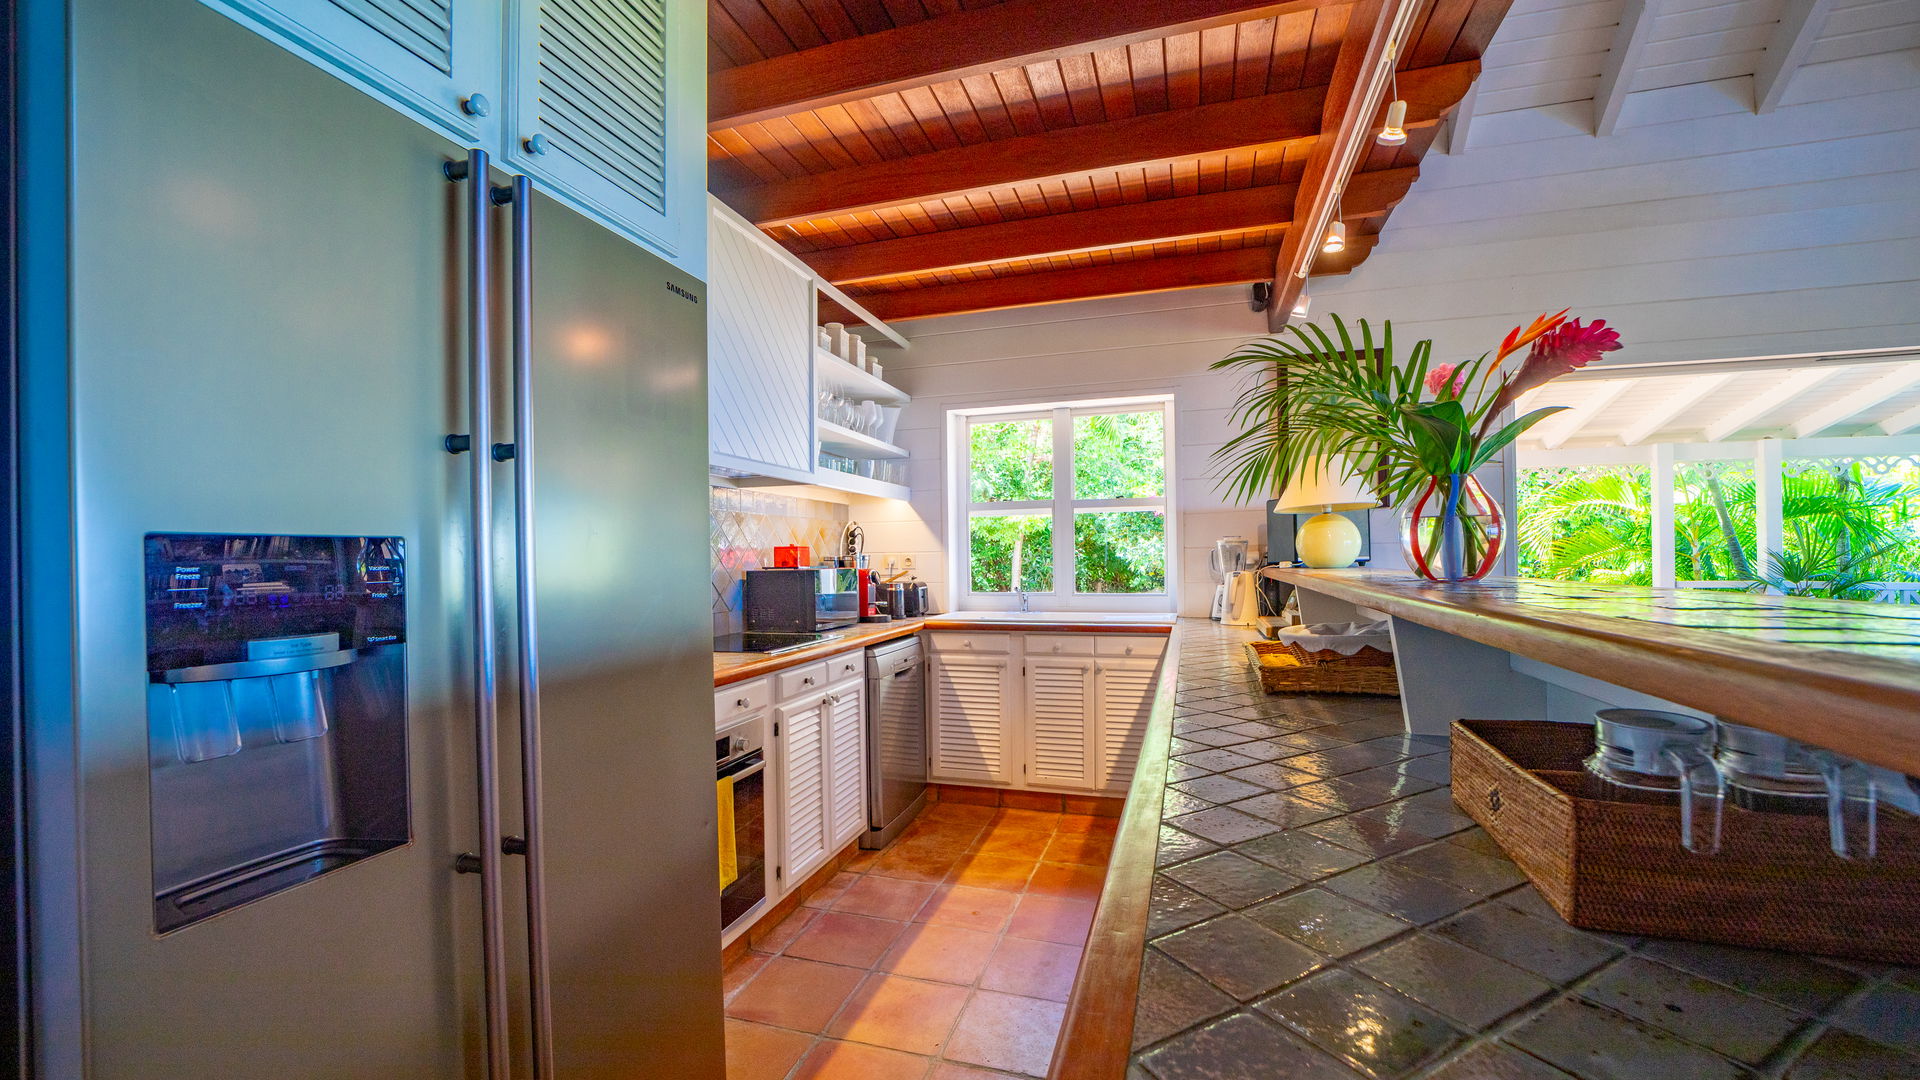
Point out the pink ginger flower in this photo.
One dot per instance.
(1567, 347)
(1448, 377)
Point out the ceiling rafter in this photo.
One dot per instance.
(1676, 405)
(964, 43)
(1799, 26)
(1157, 221)
(1795, 385)
(1857, 401)
(1131, 142)
(1554, 432)
(1374, 29)
(1623, 59)
(1238, 266)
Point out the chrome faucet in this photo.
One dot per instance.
(1023, 600)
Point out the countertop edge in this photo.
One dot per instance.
(875, 633)
(1096, 1035)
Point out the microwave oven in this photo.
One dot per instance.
(800, 600)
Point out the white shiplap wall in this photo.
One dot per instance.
(1699, 229)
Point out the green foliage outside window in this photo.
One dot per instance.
(1115, 456)
(1596, 524)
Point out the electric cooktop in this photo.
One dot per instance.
(767, 643)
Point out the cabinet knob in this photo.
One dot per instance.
(1056, 648)
(740, 704)
(807, 681)
(967, 644)
(535, 144)
(1129, 650)
(476, 105)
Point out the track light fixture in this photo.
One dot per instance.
(1395, 131)
(1336, 240)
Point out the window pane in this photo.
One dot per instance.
(1009, 547)
(1120, 551)
(1011, 460)
(1120, 455)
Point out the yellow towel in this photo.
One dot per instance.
(729, 859)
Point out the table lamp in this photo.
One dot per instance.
(1326, 540)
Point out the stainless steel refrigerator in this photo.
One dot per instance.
(281, 300)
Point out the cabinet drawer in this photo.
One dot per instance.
(730, 703)
(848, 665)
(1143, 645)
(972, 643)
(802, 681)
(1059, 645)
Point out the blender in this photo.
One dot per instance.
(1227, 559)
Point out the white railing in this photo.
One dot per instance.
(1884, 592)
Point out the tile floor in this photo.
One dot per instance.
(946, 957)
(1321, 911)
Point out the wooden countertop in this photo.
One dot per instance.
(1834, 673)
(736, 667)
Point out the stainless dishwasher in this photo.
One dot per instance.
(896, 739)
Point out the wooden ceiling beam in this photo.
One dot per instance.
(1374, 29)
(1132, 142)
(1236, 267)
(954, 46)
(1158, 221)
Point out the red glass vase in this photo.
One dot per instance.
(1451, 529)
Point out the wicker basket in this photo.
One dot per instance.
(1607, 864)
(1289, 669)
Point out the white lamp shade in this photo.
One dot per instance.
(1317, 488)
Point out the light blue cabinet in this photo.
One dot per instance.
(607, 104)
(602, 102)
(438, 60)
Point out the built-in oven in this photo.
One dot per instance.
(741, 789)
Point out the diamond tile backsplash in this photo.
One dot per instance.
(744, 526)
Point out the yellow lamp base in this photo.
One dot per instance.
(1327, 542)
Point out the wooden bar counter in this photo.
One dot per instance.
(1833, 673)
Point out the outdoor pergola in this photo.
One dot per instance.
(1829, 410)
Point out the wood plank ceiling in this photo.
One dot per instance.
(940, 156)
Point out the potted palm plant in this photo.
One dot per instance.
(1417, 429)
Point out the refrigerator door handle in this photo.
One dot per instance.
(478, 212)
(521, 453)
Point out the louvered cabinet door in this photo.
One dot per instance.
(846, 763)
(804, 815)
(1126, 688)
(428, 58)
(969, 714)
(1060, 722)
(607, 112)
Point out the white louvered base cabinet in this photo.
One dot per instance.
(1055, 712)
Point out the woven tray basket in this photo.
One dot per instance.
(1616, 865)
(1289, 669)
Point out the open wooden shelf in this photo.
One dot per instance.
(849, 443)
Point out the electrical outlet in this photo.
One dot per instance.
(906, 562)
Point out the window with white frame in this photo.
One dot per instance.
(1066, 504)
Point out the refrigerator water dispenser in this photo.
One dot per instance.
(276, 713)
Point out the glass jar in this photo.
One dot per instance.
(1647, 750)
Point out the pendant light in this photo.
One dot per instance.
(1395, 132)
(1336, 238)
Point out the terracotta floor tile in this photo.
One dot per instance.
(954, 811)
(1002, 1031)
(900, 1013)
(968, 907)
(1012, 842)
(1071, 882)
(992, 872)
(858, 1061)
(1052, 918)
(860, 861)
(797, 994)
(737, 973)
(942, 953)
(916, 864)
(938, 835)
(783, 933)
(826, 894)
(884, 898)
(1039, 820)
(1081, 823)
(1039, 969)
(1082, 849)
(840, 938)
(758, 1052)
